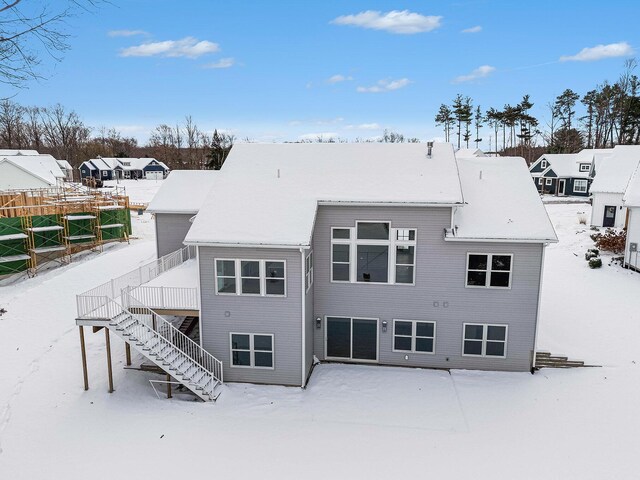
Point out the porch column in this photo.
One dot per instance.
(83, 351)
(127, 351)
(109, 369)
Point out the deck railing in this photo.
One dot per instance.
(92, 300)
(166, 298)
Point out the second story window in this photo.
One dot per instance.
(308, 272)
(489, 270)
(250, 277)
(382, 254)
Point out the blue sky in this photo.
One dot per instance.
(289, 69)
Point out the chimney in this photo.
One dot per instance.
(429, 149)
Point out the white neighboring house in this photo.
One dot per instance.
(631, 201)
(67, 169)
(4, 152)
(612, 175)
(29, 171)
(469, 153)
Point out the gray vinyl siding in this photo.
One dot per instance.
(171, 229)
(309, 325)
(440, 281)
(280, 316)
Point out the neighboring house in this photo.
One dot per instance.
(469, 152)
(4, 152)
(67, 169)
(176, 203)
(612, 175)
(390, 254)
(631, 201)
(565, 174)
(109, 168)
(29, 171)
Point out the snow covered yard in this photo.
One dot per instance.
(351, 421)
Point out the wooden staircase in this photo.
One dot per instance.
(547, 360)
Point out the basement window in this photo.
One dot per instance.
(484, 340)
(251, 350)
(414, 336)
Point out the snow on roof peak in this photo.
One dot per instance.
(614, 170)
(42, 166)
(183, 191)
(501, 202)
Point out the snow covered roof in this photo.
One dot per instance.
(64, 164)
(125, 163)
(632, 194)
(267, 194)
(469, 152)
(614, 170)
(183, 191)
(6, 152)
(44, 166)
(501, 203)
(567, 165)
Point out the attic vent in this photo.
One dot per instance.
(429, 149)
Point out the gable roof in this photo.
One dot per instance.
(614, 170)
(268, 194)
(501, 203)
(44, 167)
(632, 194)
(124, 163)
(567, 165)
(8, 152)
(183, 191)
(469, 152)
(64, 164)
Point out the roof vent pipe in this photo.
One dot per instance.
(429, 149)
(480, 174)
(278, 173)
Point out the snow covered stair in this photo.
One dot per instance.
(546, 360)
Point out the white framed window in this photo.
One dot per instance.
(580, 186)
(250, 277)
(373, 252)
(540, 181)
(585, 167)
(484, 340)
(543, 164)
(105, 173)
(308, 271)
(549, 181)
(415, 336)
(489, 270)
(251, 350)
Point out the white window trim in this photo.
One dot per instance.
(489, 260)
(391, 243)
(238, 277)
(543, 164)
(485, 330)
(585, 165)
(252, 350)
(413, 336)
(582, 182)
(308, 270)
(540, 180)
(351, 359)
(548, 181)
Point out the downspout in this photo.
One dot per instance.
(537, 328)
(304, 312)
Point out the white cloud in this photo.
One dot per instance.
(385, 86)
(126, 33)
(476, 29)
(222, 63)
(621, 49)
(480, 72)
(187, 47)
(364, 126)
(338, 78)
(395, 21)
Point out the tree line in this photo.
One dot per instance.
(611, 117)
(63, 134)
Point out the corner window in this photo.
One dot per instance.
(382, 254)
(250, 277)
(580, 186)
(414, 336)
(489, 270)
(251, 350)
(484, 340)
(308, 272)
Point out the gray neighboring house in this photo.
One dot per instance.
(175, 204)
(390, 254)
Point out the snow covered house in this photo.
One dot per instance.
(469, 152)
(612, 174)
(565, 174)
(175, 204)
(334, 252)
(22, 171)
(110, 168)
(67, 169)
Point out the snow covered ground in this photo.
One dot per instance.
(351, 421)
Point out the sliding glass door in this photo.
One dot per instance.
(352, 339)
